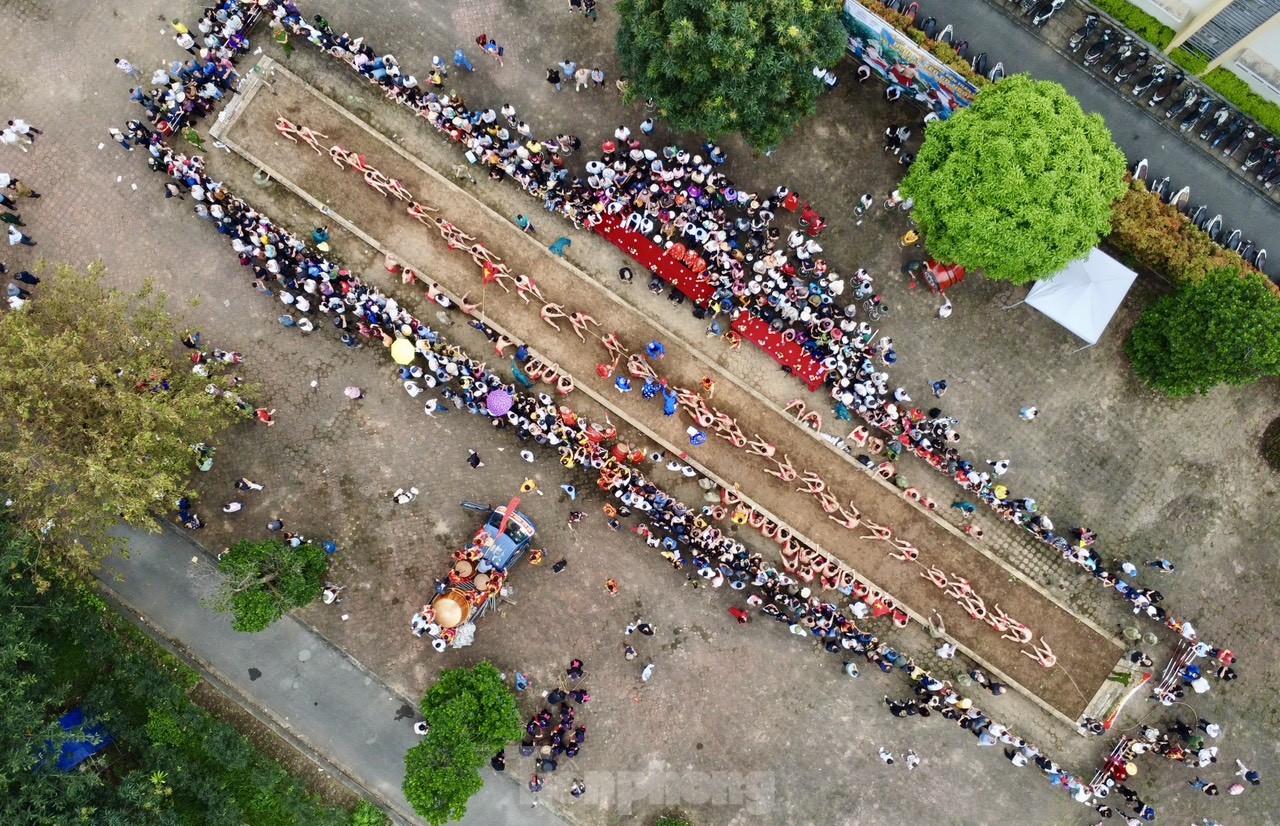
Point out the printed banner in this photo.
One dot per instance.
(903, 63)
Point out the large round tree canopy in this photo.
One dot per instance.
(1018, 184)
(741, 66)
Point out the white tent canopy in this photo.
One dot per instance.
(1085, 295)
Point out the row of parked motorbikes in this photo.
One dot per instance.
(931, 29)
(1214, 121)
(1201, 216)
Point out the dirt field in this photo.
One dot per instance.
(1081, 665)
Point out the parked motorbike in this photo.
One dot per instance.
(979, 63)
(929, 27)
(962, 49)
(1113, 63)
(1080, 35)
(1193, 116)
(1224, 133)
(1259, 258)
(947, 35)
(1046, 10)
(1180, 199)
(1150, 80)
(1214, 121)
(997, 73)
(1188, 99)
(1140, 170)
(1246, 249)
(1166, 88)
(1160, 188)
(1214, 228)
(1259, 153)
(1200, 216)
(1238, 139)
(1131, 65)
(1099, 47)
(1234, 240)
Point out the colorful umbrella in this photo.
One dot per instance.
(402, 351)
(498, 402)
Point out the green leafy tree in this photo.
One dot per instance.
(169, 761)
(1222, 330)
(472, 715)
(726, 66)
(1019, 184)
(264, 580)
(99, 416)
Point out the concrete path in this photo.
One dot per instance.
(312, 690)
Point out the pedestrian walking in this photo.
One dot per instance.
(1028, 413)
(281, 36)
(1162, 565)
(525, 224)
(999, 466)
(646, 126)
(25, 129)
(1211, 789)
(939, 388)
(473, 459)
(9, 137)
(26, 278)
(553, 77)
(597, 77)
(911, 759)
(119, 137)
(12, 218)
(886, 756)
(590, 7)
(16, 237)
(127, 67)
(245, 483)
(460, 60)
(581, 78)
(193, 137)
(495, 51)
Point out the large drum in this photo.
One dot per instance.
(452, 609)
(464, 569)
(941, 277)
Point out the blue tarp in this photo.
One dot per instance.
(91, 740)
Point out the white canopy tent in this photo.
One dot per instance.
(1085, 295)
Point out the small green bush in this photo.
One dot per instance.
(367, 814)
(673, 820)
(1137, 21)
(1239, 94)
(1189, 60)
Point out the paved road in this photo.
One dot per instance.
(316, 692)
(988, 28)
